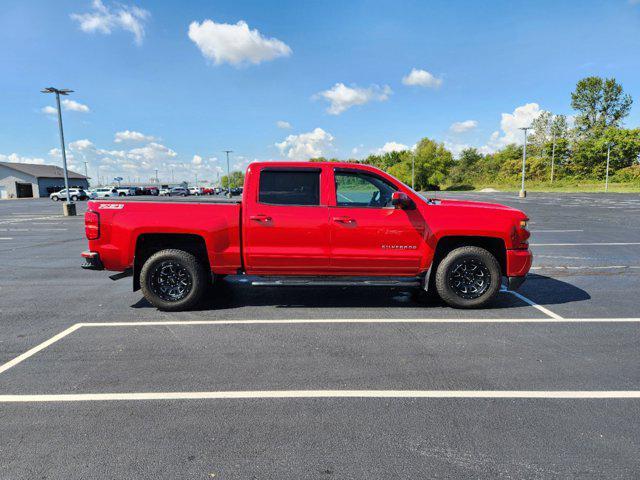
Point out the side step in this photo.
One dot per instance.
(338, 282)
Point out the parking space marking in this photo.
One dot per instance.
(546, 311)
(6, 238)
(581, 244)
(37, 348)
(298, 394)
(554, 318)
(555, 231)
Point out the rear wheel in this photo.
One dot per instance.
(173, 280)
(55, 198)
(468, 277)
(74, 198)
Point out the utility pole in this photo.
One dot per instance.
(553, 153)
(157, 181)
(86, 172)
(606, 179)
(228, 173)
(413, 172)
(523, 192)
(69, 208)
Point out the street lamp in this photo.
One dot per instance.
(228, 173)
(606, 178)
(523, 192)
(68, 208)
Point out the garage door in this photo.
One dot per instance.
(24, 190)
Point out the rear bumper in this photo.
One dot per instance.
(92, 261)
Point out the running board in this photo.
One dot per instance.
(338, 282)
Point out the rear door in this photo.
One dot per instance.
(286, 223)
(368, 235)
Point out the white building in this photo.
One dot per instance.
(29, 180)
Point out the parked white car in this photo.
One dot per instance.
(126, 191)
(105, 192)
(164, 192)
(75, 194)
(195, 190)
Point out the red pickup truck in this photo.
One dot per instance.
(303, 223)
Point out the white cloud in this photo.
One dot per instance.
(15, 158)
(67, 105)
(510, 125)
(74, 106)
(103, 19)
(235, 44)
(132, 136)
(283, 124)
(197, 160)
(465, 126)
(422, 78)
(83, 144)
(456, 148)
(152, 151)
(341, 97)
(306, 145)
(49, 110)
(392, 147)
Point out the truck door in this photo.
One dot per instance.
(368, 234)
(285, 223)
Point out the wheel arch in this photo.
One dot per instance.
(149, 243)
(494, 245)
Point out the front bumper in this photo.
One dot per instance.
(92, 261)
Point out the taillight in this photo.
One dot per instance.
(92, 225)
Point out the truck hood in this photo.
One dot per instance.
(479, 207)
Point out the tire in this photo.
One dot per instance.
(468, 277)
(151, 279)
(122, 194)
(55, 199)
(74, 198)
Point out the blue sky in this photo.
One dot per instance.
(169, 85)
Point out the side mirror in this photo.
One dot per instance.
(401, 200)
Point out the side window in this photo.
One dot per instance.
(356, 189)
(289, 187)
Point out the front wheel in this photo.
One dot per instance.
(173, 280)
(55, 199)
(468, 277)
(74, 198)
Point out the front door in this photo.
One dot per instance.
(369, 235)
(286, 226)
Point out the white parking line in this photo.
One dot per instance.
(555, 231)
(37, 348)
(6, 238)
(581, 244)
(546, 311)
(270, 394)
(554, 318)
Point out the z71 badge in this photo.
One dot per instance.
(111, 206)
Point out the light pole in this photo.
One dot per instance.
(69, 208)
(553, 153)
(228, 173)
(413, 172)
(606, 178)
(157, 176)
(523, 192)
(86, 171)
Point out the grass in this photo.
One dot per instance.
(568, 186)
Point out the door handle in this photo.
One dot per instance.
(260, 218)
(345, 220)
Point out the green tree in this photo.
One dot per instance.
(432, 164)
(601, 103)
(237, 180)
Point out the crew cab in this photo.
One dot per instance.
(303, 223)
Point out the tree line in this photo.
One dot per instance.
(556, 149)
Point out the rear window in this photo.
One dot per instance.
(289, 187)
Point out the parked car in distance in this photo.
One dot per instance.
(195, 191)
(126, 191)
(314, 224)
(106, 192)
(164, 192)
(75, 193)
(151, 191)
(178, 192)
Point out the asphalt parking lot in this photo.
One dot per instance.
(299, 383)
